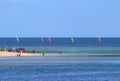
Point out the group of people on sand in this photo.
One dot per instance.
(43, 53)
(19, 53)
(23, 50)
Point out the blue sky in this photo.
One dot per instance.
(60, 18)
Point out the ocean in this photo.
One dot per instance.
(60, 42)
(62, 68)
(80, 45)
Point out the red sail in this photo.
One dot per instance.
(49, 39)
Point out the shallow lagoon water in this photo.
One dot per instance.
(60, 68)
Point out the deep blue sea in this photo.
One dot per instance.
(60, 42)
(62, 68)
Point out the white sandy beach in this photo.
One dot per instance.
(5, 53)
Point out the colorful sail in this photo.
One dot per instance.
(72, 40)
(49, 39)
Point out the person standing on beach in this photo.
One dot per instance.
(43, 53)
(33, 51)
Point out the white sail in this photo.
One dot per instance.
(17, 39)
(99, 40)
(42, 40)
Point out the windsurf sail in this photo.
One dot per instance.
(49, 39)
(17, 39)
(99, 40)
(42, 40)
(72, 40)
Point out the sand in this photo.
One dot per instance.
(5, 53)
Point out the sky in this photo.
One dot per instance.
(60, 18)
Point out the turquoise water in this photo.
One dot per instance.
(62, 68)
(65, 45)
(77, 50)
